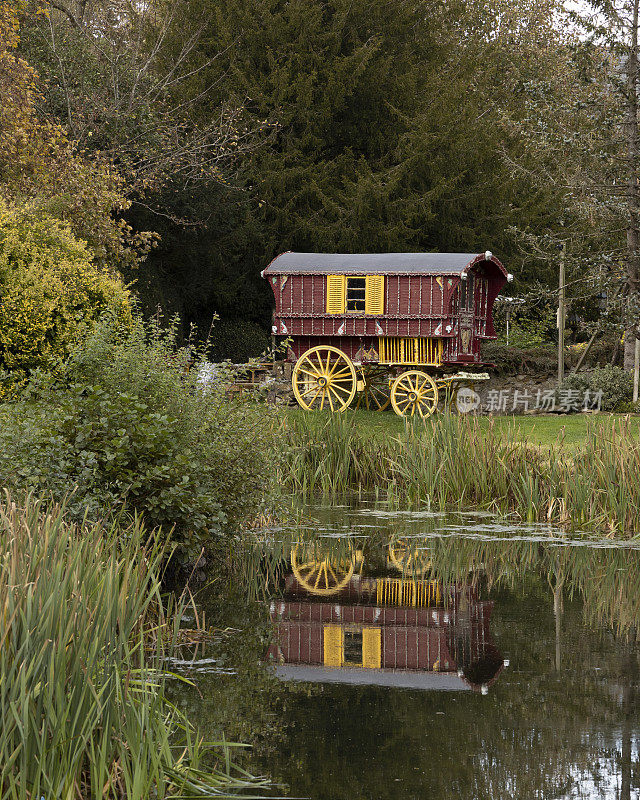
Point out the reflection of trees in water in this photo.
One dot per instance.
(561, 721)
(539, 733)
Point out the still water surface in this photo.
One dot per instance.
(401, 655)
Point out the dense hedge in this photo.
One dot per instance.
(237, 340)
(50, 291)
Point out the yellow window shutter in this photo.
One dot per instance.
(336, 291)
(371, 648)
(374, 294)
(333, 646)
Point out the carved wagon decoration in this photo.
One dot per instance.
(380, 328)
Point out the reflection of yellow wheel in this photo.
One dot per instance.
(321, 574)
(408, 559)
(324, 377)
(412, 392)
(375, 395)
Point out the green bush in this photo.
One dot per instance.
(50, 291)
(510, 360)
(615, 384)
(237, 340)
(127, 428)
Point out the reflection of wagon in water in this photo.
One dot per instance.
(389, 630)
(380, 328)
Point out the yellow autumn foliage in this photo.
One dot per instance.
(50, 290)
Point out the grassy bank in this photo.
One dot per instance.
(455, 463)
(542, 430)
(83, 644)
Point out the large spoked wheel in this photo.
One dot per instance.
(375, 394)
(414, 393)
(407, 558)
(324, 377)
(321, 574)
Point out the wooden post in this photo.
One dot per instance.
(584, 353)
(561, 313)
(636, 371)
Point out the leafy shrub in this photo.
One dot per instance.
(50, 291)
(127, 428)
(510, 360)
(237, 340)
(616, 385)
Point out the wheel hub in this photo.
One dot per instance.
(413, 397)
(323, 381)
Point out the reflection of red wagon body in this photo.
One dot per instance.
(380, 326)
(336, 624)
(429, 647)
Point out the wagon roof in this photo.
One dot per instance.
(363, 263)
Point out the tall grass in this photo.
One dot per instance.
(83, 644)
(452, 463)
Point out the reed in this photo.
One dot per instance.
(452, 463)
(84, 638)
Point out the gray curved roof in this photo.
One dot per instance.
(375, 263)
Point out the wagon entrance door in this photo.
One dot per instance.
(466, 309)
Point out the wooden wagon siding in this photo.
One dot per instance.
(420, 293)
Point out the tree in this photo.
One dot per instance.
(41, 167)
(116, 73)
(397, 129)
(50, 291)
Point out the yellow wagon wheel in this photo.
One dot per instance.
(324, 377)
(407, 559)
(375, 395)
(321, 574)
(414, 392)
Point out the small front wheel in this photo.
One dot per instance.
(414, 392)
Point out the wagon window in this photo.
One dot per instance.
(466, 294)
(353, 648)
(356, 294)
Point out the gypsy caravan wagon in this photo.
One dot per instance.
(380, 328)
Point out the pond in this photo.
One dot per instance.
(399, 655)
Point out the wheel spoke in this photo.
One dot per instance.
(313, 399)
(332, 393)
(306, 372)
(330, 399)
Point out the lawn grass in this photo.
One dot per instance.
(541, 430)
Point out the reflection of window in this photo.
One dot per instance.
(466, 294)
(353, 648)
(356, 294)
